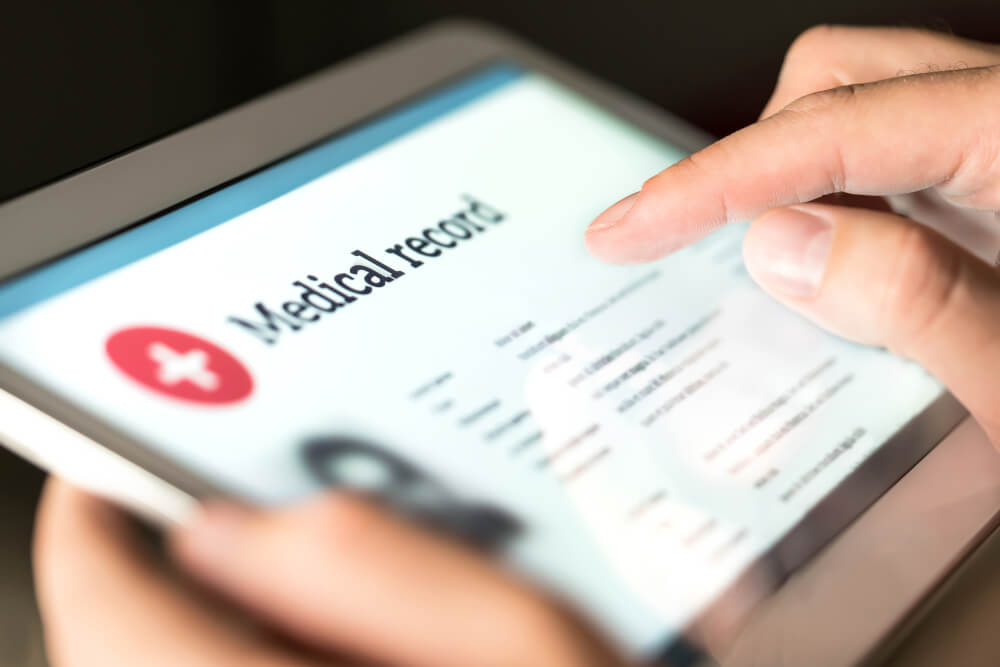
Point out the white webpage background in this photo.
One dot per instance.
(551, 162)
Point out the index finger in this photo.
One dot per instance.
(888, 137)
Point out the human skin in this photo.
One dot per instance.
(907, 118)
(849, 117)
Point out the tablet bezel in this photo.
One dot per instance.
(132, 188)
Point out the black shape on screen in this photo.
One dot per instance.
(407, 489)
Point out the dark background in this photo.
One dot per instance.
(83, 81)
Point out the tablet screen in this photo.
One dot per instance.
(408, 308)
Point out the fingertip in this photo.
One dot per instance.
(634, 240)
(635, 245)
(614, 214)
(668, 214)
(609, 237)
(604, 247)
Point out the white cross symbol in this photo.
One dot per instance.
(175, 367)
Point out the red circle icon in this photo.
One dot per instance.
(179, 365)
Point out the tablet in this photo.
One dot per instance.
(376, 279)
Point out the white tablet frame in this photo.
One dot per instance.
(743, 626)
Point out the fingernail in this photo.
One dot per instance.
(614, 214)
(216, 531)
(787, 251)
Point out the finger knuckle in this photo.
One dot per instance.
(825, 101)
(921, 281)
(815, 44)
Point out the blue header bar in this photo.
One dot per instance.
(246, 194)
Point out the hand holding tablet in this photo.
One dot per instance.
(365, 586)
(671, 415)
(924, 140)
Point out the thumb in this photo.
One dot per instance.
(881, 279)
(341, 575)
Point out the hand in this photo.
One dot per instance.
(928, 142)
(332, 580)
